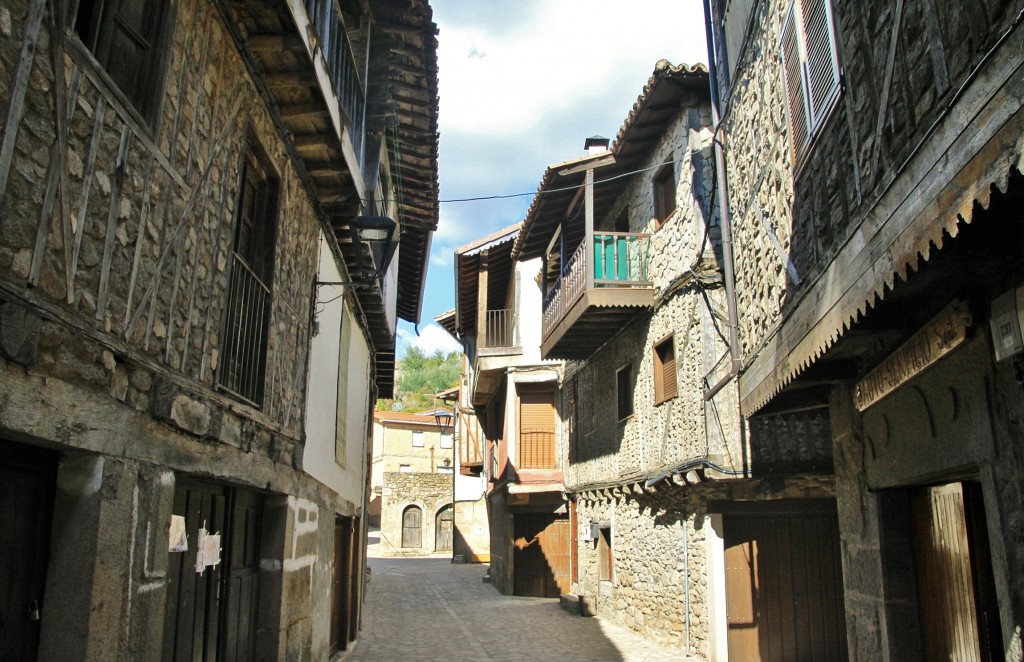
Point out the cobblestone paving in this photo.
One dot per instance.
(427, 608)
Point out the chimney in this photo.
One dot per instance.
(596, 144)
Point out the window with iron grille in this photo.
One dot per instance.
(810, 65)
(664, 193)
(128, 38)
(242, 367)
(665, 383)
(624, 391)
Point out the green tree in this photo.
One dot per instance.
(421, 376)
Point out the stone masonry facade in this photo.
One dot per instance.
(430, 492)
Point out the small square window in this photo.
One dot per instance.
(664, 193)
(665, 387)
(417, 439)
(405, 468)
(446, 441)
(624, 391)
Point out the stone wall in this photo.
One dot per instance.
(133, 275)
(430, 492)
(805, 215)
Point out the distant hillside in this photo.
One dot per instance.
(419, 377)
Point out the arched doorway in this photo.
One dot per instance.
(412, 527)
(443, 530)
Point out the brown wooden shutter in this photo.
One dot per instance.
(820, 59)
(792, 69)
(665, 382)
(536, 431)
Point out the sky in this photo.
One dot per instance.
(522, 84)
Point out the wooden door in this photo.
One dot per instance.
(412, 522)
(340, 594)
(212, 615)
(443, 533)
(784, 592)
(192, 614)
(541, 555)
(242, 576)
(956, 601)
(27, 480)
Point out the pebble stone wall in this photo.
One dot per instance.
(430, 492)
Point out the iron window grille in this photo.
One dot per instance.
(242, 368)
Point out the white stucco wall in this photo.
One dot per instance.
(319, 460)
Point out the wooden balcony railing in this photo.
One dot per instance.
(337, 54)
(618, 259)
(500, 328)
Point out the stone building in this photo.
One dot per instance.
(635, 303)
(412, 482)
(871, 161)
(196, 315)
(509, 415)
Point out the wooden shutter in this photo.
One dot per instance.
(341, 415)
(126, 46)
(665, 381)
(792, 69)
(822, 65)
(536, 431)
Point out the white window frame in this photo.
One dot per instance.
(417, 439)
(447, 440)
(405, 468)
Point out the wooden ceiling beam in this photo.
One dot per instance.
(273, 43)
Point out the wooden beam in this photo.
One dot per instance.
(589, 165)
(303, 111)
(274, 43)
(282, 79)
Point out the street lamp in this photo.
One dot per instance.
(443, 419)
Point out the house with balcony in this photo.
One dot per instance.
(204, 251)
(512, 394)
(871, 171)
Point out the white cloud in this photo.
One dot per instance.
(431, 339)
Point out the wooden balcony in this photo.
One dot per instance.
(602, 287)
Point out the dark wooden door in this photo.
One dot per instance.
(341, 593)
(784, 591)
(956, 601)
(27, 480)
(541, 555)
(443, 533)
(412, 523)
(242, 577)
(212, 615)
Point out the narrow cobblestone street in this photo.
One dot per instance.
(427, 608)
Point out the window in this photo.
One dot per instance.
(536, 430)
(446, 440)
(341, 411)
(417, 439)
(605, 558)
(665, 387)
(811, 69)
(664, 193)
(244, 355)
(624, 391)
(128, 38)
(405, 468)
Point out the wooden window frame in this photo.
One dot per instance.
(664, 191)
(811, 72)
(90, 23)
(624, 393)
(666, 383)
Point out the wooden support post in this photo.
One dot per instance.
(589, 220)
(481, 303)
